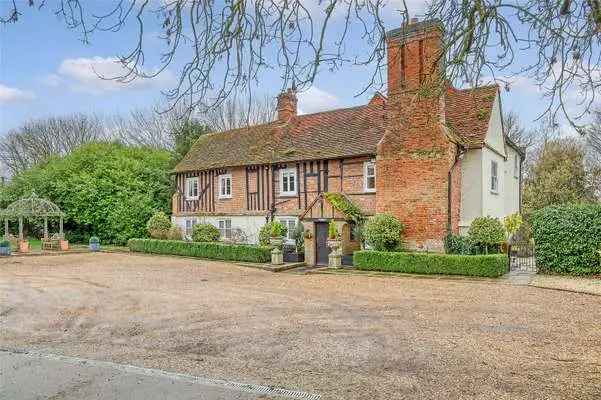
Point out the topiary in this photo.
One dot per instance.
(94, 240)
(488, 233)
(205, 233)
(384, 232)
(277, 229)
(158, 225)
(264, 233)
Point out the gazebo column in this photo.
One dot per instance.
(20, 228)
(46, 228)
(61, 229)
(6, 228)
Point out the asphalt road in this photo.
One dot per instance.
(26, 375)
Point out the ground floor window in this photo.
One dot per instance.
(290, 224)
(190, 226)
(225, 228)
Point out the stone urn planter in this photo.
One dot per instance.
(277, 257)
(94, 244)
(23, 246)
(335, 257)
(5, 248)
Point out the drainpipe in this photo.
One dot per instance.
(458, 156)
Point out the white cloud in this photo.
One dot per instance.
(97, 75)
(13, 95)
(52, 80)
(314, 100)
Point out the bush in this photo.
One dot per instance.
(332, 230)
(94, 240)
(383, 232)
(205, 233)
(215, 251)
(299, 238)
(457, 244)
(277, 229)
(4, 243)
(175, 233)
(487, 233)
(512, 223)
(490, 265)
(158, 225)
(567, 239)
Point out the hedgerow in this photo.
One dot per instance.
(490, 265)
(215, 251)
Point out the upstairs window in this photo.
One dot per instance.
(369, 176)
(225, 228)
(192, 188)
(288, 182)
(494, 177)
(225, 186)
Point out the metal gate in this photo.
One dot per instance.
(521, 257)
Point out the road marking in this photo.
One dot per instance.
(241, 387)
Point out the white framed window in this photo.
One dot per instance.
(369, 176)
(288, 182)
(192, 188)
(225, 186)
(516, 166)
(494, 177)
(190, 222)
(225, 228)
(290, 224)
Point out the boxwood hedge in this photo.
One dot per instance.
(568, 239)
(490, 265)
(215, 251)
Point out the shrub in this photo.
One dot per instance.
(512, 223)
(94, 240)
(490, 265)
(567, 239)
(264, 234)
(158, 225)
(299, 238)
(488, 233)
(4, 243)
(383, 232)
(205, 233)
(215, 251)
(277, 229)
(175, 233)
(332, 230)
(457, 244)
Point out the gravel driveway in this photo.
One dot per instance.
(344, 337)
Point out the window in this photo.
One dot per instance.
(516, 166)
(494, 177)
(288, 182)
(190, 227)
(225, 228)
(225, 186)
(192, 188)
(369, 176)
(289, 223)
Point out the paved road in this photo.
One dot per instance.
(29, 376)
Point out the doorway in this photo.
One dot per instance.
(321, 243)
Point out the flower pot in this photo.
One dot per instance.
(276, 241)
(5, 251)
(64, 245)
(334, 244)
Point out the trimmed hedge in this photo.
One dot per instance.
(214, 251)
(568, 238)
(490, 265)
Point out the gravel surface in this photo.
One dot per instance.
(344, 337)
(575, 284)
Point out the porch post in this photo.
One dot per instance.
(20, 228)
(46, 228)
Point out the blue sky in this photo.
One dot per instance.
(46, 70)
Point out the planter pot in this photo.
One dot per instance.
(5, 251)
(276, 242)
(294, 257)
(64, 245)
(24, 246)
(94, 246)
(334, 244)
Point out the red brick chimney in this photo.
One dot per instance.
(415, 155)
(287, 105)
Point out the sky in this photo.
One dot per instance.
(46, 70)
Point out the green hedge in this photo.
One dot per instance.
(215, 251)
(567, 239)
(491, 265)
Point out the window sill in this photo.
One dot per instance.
(369, 190)
(288, 195)
(495, 192)
(224, 197)
(191, 198)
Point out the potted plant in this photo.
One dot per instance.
(277, 232)
(94, 243)
(333, 236)
(298, 255)
(5, 248)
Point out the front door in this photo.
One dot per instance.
(321, 243)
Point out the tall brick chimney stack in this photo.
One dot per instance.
(415, 156)
(287, 105)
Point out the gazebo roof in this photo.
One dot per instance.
(32, 206)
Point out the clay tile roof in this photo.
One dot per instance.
(331, 134)
(468, 112)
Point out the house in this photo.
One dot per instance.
(434, 156)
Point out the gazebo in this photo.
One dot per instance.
(29, 208)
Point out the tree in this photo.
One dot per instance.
(109, 190)
(559, 175)
(185, 135)
(517, 133)
(37, 140)
(235, 42)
